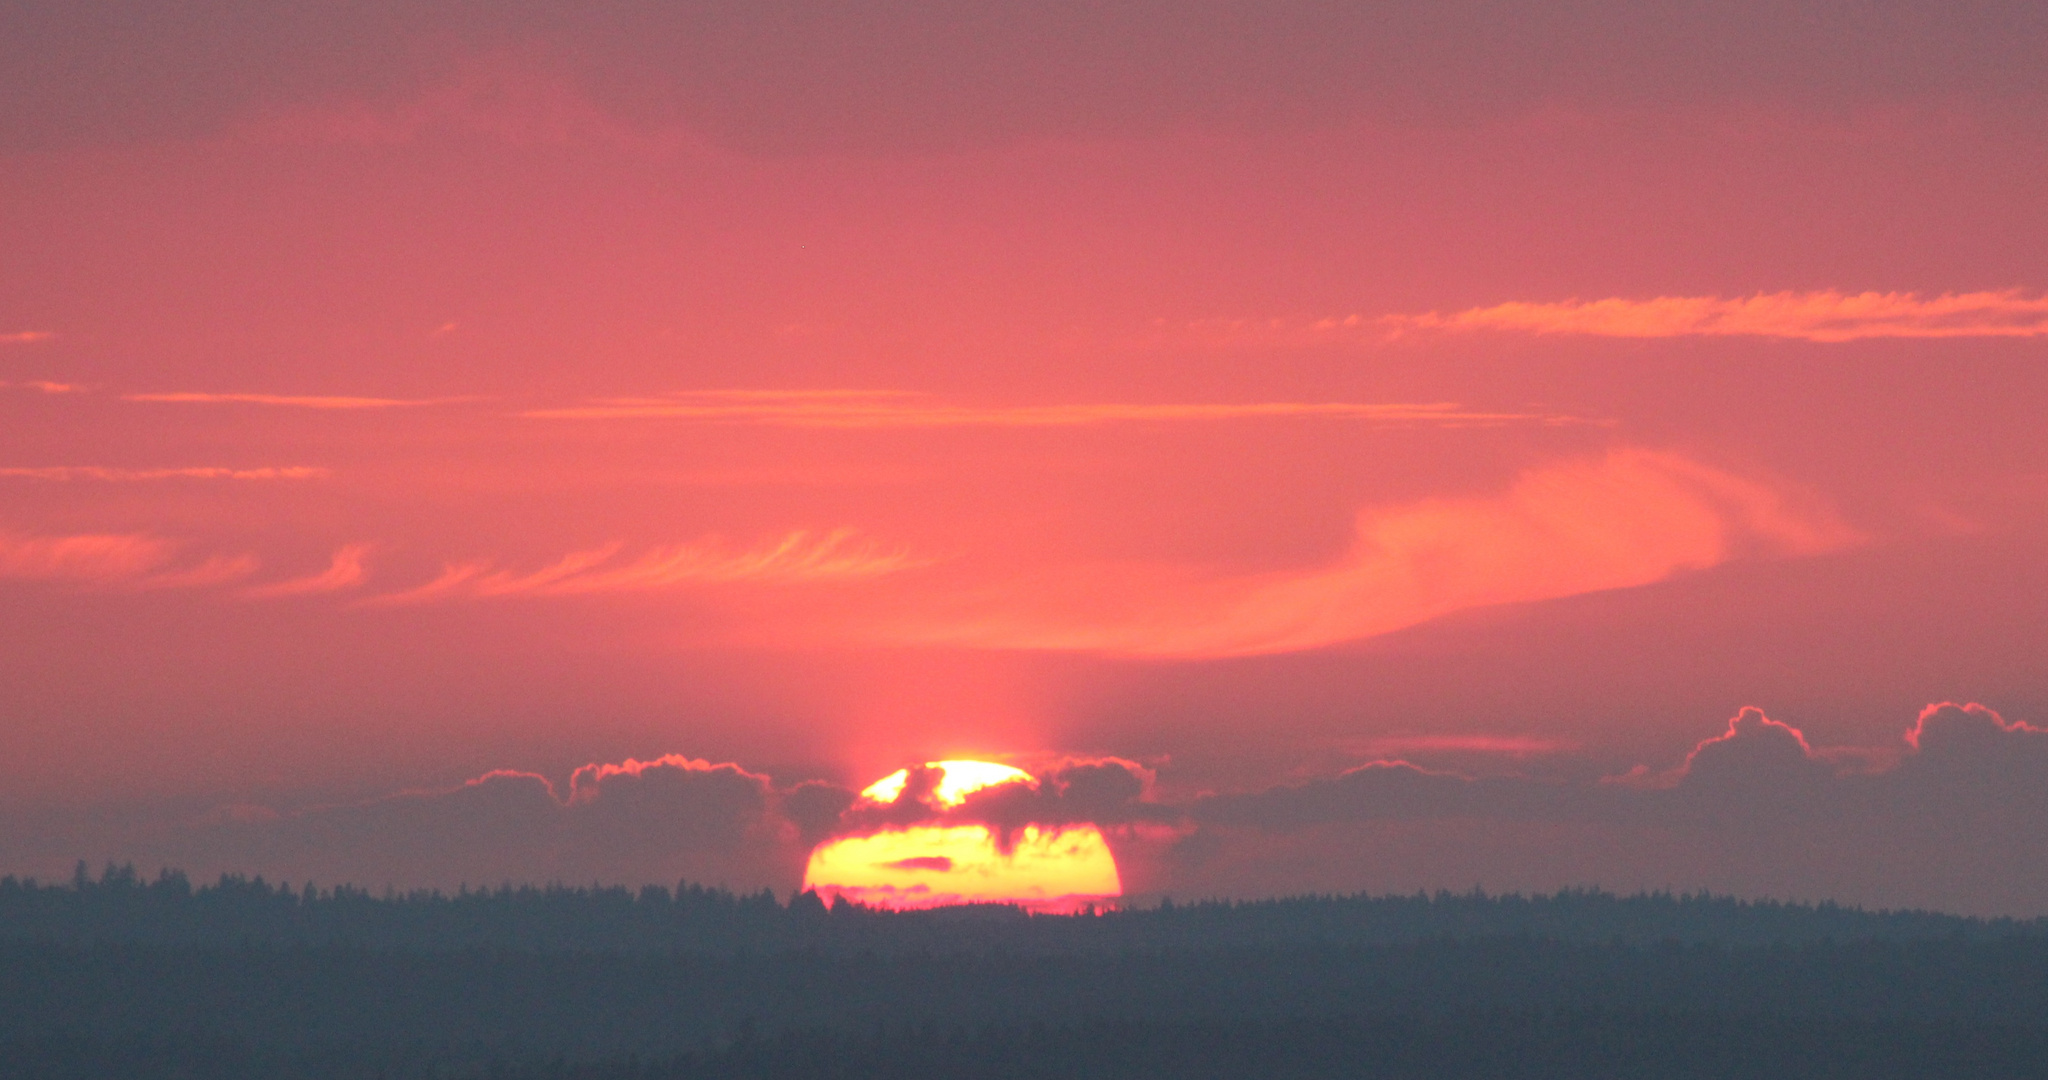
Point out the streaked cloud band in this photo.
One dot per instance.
(294, 401)
(1827, 316)
(880, 411)
(204, 472)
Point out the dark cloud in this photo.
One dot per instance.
(641, 822)
(815, 807)
(1956, 821)
(782, 76)
(1107, 792)
(1381, 790)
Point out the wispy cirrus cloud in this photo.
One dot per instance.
(26, 337)
(81, 557)
(290, 401)
(217, 570)
(48, 386)
(891, 409)
(131, 561)
(1826, 316)
(1502, 745)
(1632, 517)
(60, 473)
(344, 571)
(797, 558)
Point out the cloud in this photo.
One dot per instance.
(1375, 790)
(1966, 761)
(1503, 745)
(673, 818)
(293, 401)
(345, 571)
(96, 472)
(1954, 819)
(1103, 791)
(84, 557)
(1957, 823)
(1754, 748)
(217, 570)
(26, 337)
(888, 409)
(798, 557)
(49, 387)
(135, 561)
(1827, 316)
(809, 77)
(1631, 517)
(1949, 724)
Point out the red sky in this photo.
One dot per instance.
(394, 395)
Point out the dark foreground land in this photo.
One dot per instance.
(118, 977)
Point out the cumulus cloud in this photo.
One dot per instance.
(1953, 817)
(639, 822)
(1949, 724)
(1631, 517)
(798, 557)
(1754, 750)
(891, 409)
(1966, 761)
(1826, 315)
(344, 571)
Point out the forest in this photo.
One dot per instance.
(116, 975)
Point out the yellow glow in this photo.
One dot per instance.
(957, 780)
(924, 866)
(1047, 868)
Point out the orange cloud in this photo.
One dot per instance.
(1826, 315)
(1629, 518)
(95, 472)
(296, 401)
(344, 572)
(799, 557)
(49, 387)
(116, 560)
(91, 557)
(26, 337)
(886, 409)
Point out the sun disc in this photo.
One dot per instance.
(1048, 868)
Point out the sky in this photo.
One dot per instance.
(1334, 446)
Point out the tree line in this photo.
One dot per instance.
(115, 975)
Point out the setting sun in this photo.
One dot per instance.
(1043, 868)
